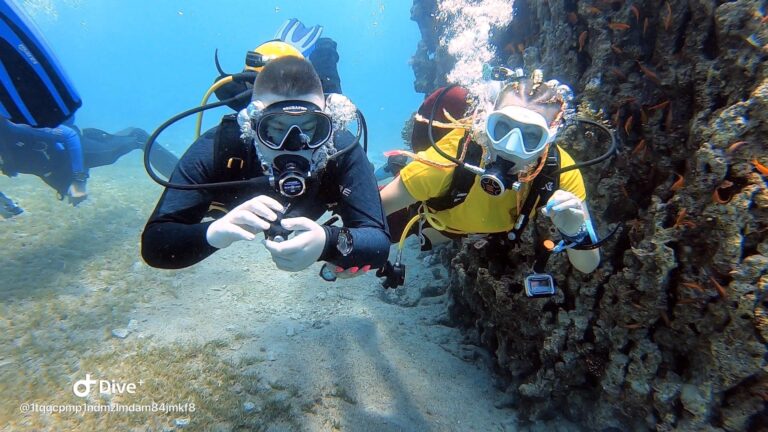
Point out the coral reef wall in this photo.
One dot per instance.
(670, 332)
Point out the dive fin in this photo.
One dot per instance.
(33, 87)
(163, 160)
(293, 32)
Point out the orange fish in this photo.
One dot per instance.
(680, 220)
(632, 326)
(636, 12)
(619, 74)
(735, 146)
(643, 117)
(648, 73)
(718, 287)
(687, 301)
(639, 147)
(668, 19)
(628, 124)
(680, 215)
(573, 18)
(645, 26)
(668, 120)
(616, 49)
(678, 184)
(659, 106)
(593, 10)
(692, 285)
(760, 167)
(582, 39)
(618, 26)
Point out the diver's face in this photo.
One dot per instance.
(279, 125)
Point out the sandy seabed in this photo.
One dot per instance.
(247, 346)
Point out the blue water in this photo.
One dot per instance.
(138, 62)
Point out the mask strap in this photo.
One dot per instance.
(452, 123)
(418, 158)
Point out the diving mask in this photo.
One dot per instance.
(293, 126)
(517, 134)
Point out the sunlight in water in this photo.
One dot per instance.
(40, 7)
(468, 38)
(46, 8)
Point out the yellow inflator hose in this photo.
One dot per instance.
(208, 94)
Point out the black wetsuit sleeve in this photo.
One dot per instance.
(361, 210)
(174, 236)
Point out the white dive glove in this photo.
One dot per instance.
(243, 222)
(566, 211)
(300, 251)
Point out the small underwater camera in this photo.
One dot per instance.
(394, 274)
(276, 232)
(539, 285)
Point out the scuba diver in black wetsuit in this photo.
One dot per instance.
(276, 167)
(43, 152)
(37, 107)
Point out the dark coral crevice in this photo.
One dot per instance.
(670, 332)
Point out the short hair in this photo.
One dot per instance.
(288, 76)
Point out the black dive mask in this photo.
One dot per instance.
(293, 125)
(499, 176)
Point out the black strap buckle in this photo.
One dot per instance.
(394, 275)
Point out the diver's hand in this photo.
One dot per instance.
(300, 251)
(349, 273)
(76, 192)
(565, 210)
(243, 222)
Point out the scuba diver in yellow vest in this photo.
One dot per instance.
(506, 166)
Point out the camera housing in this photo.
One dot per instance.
(539, 285)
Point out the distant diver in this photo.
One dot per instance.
(41, 152)
(37, 107)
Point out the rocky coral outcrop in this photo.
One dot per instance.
(670, 332)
